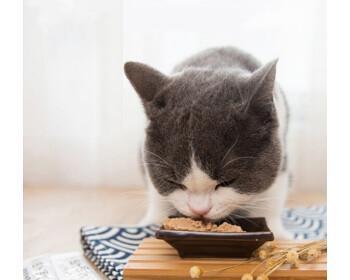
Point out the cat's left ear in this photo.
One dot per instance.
(146, 80)
(262, 82)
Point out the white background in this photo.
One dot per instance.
(82, 121)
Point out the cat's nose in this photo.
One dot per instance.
(199, 211)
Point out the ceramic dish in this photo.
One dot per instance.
(192, 244)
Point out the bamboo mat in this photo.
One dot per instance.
(155, 259)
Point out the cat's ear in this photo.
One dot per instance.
(145, 80)
(261, 84)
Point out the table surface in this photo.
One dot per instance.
(53, 216)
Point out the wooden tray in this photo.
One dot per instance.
(155, 259)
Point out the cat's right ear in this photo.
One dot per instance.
(145, 80)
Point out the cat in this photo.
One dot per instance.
(215, 145)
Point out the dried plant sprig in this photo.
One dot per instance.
(262, 277)
(196, 271)
(263, 254)
(247, 276)
(270, 257)
(293, 255)
(311, 254)
(275, 266)
(270, 261)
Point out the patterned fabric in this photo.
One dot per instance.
(306, 223)
(110, 247)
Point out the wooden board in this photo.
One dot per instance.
(155, 259)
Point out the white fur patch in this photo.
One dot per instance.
(201, 194)
(197, 180)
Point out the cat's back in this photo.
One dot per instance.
(220, 57)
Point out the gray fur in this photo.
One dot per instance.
(218, 106)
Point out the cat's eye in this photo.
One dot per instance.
(181, 186)
(225, 183)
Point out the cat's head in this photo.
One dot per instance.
(212, 140)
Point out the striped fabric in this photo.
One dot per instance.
(110, 247)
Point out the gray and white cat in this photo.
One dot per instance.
(215, 141)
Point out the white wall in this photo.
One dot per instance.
(73, 128)
(83, 123)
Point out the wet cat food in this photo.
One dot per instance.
(187, 224)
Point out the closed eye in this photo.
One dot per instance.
(183, 187)
(225, 183)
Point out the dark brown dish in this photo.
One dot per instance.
(192, 244)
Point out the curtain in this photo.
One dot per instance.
(83, 123)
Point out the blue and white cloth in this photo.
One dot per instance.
(110, 247)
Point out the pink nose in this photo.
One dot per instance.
(199, 211)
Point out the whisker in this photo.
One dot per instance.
(245, 218)
(269, 198)
(253, 207)
(154, 164)
(253, 204)
(158, 156)
(229, 150)
(160, 164)
(235, 159)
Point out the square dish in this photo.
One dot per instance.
(193, 244)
